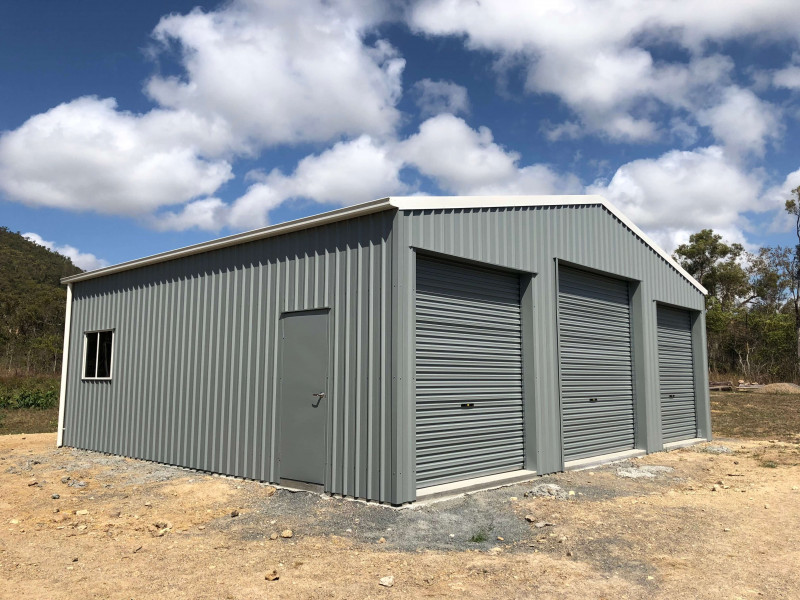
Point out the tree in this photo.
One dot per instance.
(793, 208)
(715, 265)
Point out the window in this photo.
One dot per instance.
(97, 353)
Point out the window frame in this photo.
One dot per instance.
(86, 333)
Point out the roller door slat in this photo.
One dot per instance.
(469, 409)
(597, 392)
(676, 375)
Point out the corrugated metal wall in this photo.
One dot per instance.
(469, 409)
(533, 240)
(196, 348)
(196, 354)
(597, 394)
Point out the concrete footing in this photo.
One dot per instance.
(456, 488)
(596, 461)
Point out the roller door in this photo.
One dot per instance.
(676, 375)
(469, 419)
(597, 395)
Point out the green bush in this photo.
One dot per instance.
(29, 392)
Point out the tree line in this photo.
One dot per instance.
(753, 303)
(32, 303)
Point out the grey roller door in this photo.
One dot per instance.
(597, 396)
(469, 417)
(676, 375)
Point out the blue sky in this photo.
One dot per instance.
(133, 128)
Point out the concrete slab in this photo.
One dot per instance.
(596, 461)
(683, 443)
(457, 488)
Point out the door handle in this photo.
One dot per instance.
(319, 396)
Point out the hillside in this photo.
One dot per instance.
(31, 305)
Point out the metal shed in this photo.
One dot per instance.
(393, 349)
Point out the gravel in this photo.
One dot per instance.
(644, 472)
(548, 490)
(715, 449)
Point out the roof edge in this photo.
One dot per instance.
(340, 214)
(388, 203)
(466, 202)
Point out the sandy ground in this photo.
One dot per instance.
(711, 526)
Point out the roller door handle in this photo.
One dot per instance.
(593, 399)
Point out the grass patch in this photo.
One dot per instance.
(479, 537)
(29, 392)
(769, 464)
(756, 416)
(28, 420)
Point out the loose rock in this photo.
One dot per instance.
(716, 450)
(541, 524)
(55, 496)
(287, 533)
(234, 513)
(549, 490)
(530, 518)
(387, 581)
(643, 472)
(273, 536)
(81, 513)
(272, 575)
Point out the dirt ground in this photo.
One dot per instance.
(710, 525)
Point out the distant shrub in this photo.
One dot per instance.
(29, 392)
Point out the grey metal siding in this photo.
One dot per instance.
(196, 350)
(530, 239)
(676, 374)
(469, 401)
(196, 346)
(597, 395)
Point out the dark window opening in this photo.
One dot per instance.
(97, 361)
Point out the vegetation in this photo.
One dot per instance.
(29, 392)
(753, 305)
(31, 305)
(28, 420)
(756, 416)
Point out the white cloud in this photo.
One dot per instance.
(254, 74)
(434, 97)
(742, 121)
(682, 192)
(87, 155)
(282, 72)
(84, 260)
(210, 214)
(776, 196)
(788, 77)
(348, 173)
(594, 54)
(465, 161)
(446, 149)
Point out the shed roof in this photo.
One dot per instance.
(389, 203)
